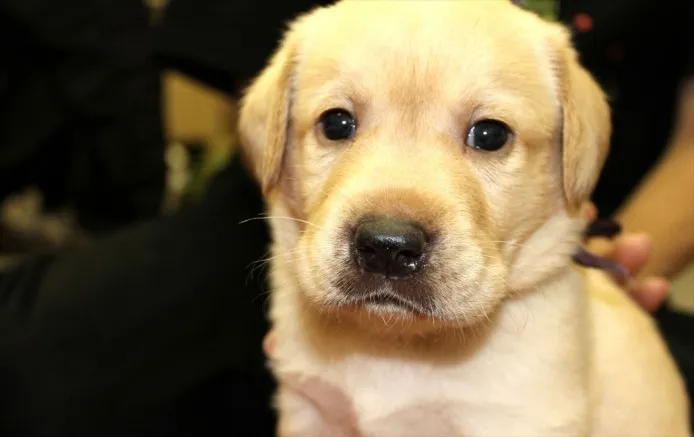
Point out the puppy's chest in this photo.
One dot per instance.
(389, 398)
(488, 394)
(394, 397)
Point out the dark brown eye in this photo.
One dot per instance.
(338, 124)
(488, 135)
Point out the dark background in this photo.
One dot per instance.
(153, 328)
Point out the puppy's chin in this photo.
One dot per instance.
(390, 316)
(413, 306)
(393, 302)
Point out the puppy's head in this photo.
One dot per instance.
(436, 153)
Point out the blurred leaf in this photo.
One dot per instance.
(547, 9)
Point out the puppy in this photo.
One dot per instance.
(423, 164)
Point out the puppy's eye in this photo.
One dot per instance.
(338, 124)
(488, 135)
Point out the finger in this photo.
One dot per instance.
(269, 344)
(631, 251)
(651, 293)
(589, 212)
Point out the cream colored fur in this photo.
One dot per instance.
(517, 341)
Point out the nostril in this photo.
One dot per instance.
(408, 254)
(389, 247)
(404, 263)
(366, 249)
(367, 254)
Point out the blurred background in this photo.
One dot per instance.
(197, 138)
(122, 309)
(198, 131)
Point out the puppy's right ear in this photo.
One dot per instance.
(264, 116)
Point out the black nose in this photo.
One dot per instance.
(389, 247)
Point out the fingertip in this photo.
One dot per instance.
(651, 293)
(632, 251)
(589, 212)
(269, 344)
(657, 285)
(640, 241)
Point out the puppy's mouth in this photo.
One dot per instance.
(385, 268)
(380, 301)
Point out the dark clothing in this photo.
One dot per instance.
(80, 108)
(155, 331)
(94, 338)
(223, 42)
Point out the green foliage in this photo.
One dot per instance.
(545, 8)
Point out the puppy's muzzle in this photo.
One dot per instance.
(389, 248)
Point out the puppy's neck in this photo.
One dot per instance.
(546, 252)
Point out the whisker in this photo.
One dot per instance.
(280, 217)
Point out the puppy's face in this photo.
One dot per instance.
(437, 152)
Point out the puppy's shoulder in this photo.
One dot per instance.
(604, 291)
(616, 318)
(636, 385)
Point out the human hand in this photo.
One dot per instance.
(631, 250)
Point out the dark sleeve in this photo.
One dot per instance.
(92, 339)
(221, 42)
(689, 44)
(80, 110)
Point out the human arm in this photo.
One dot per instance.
(663, 204)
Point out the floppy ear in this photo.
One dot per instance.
(586, 126)
(264, 118)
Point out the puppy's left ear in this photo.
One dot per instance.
(264, 116)
(586, 124)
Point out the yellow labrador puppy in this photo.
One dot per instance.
(423, 163)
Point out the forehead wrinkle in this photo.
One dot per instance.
(324, 83)
(440, 58)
